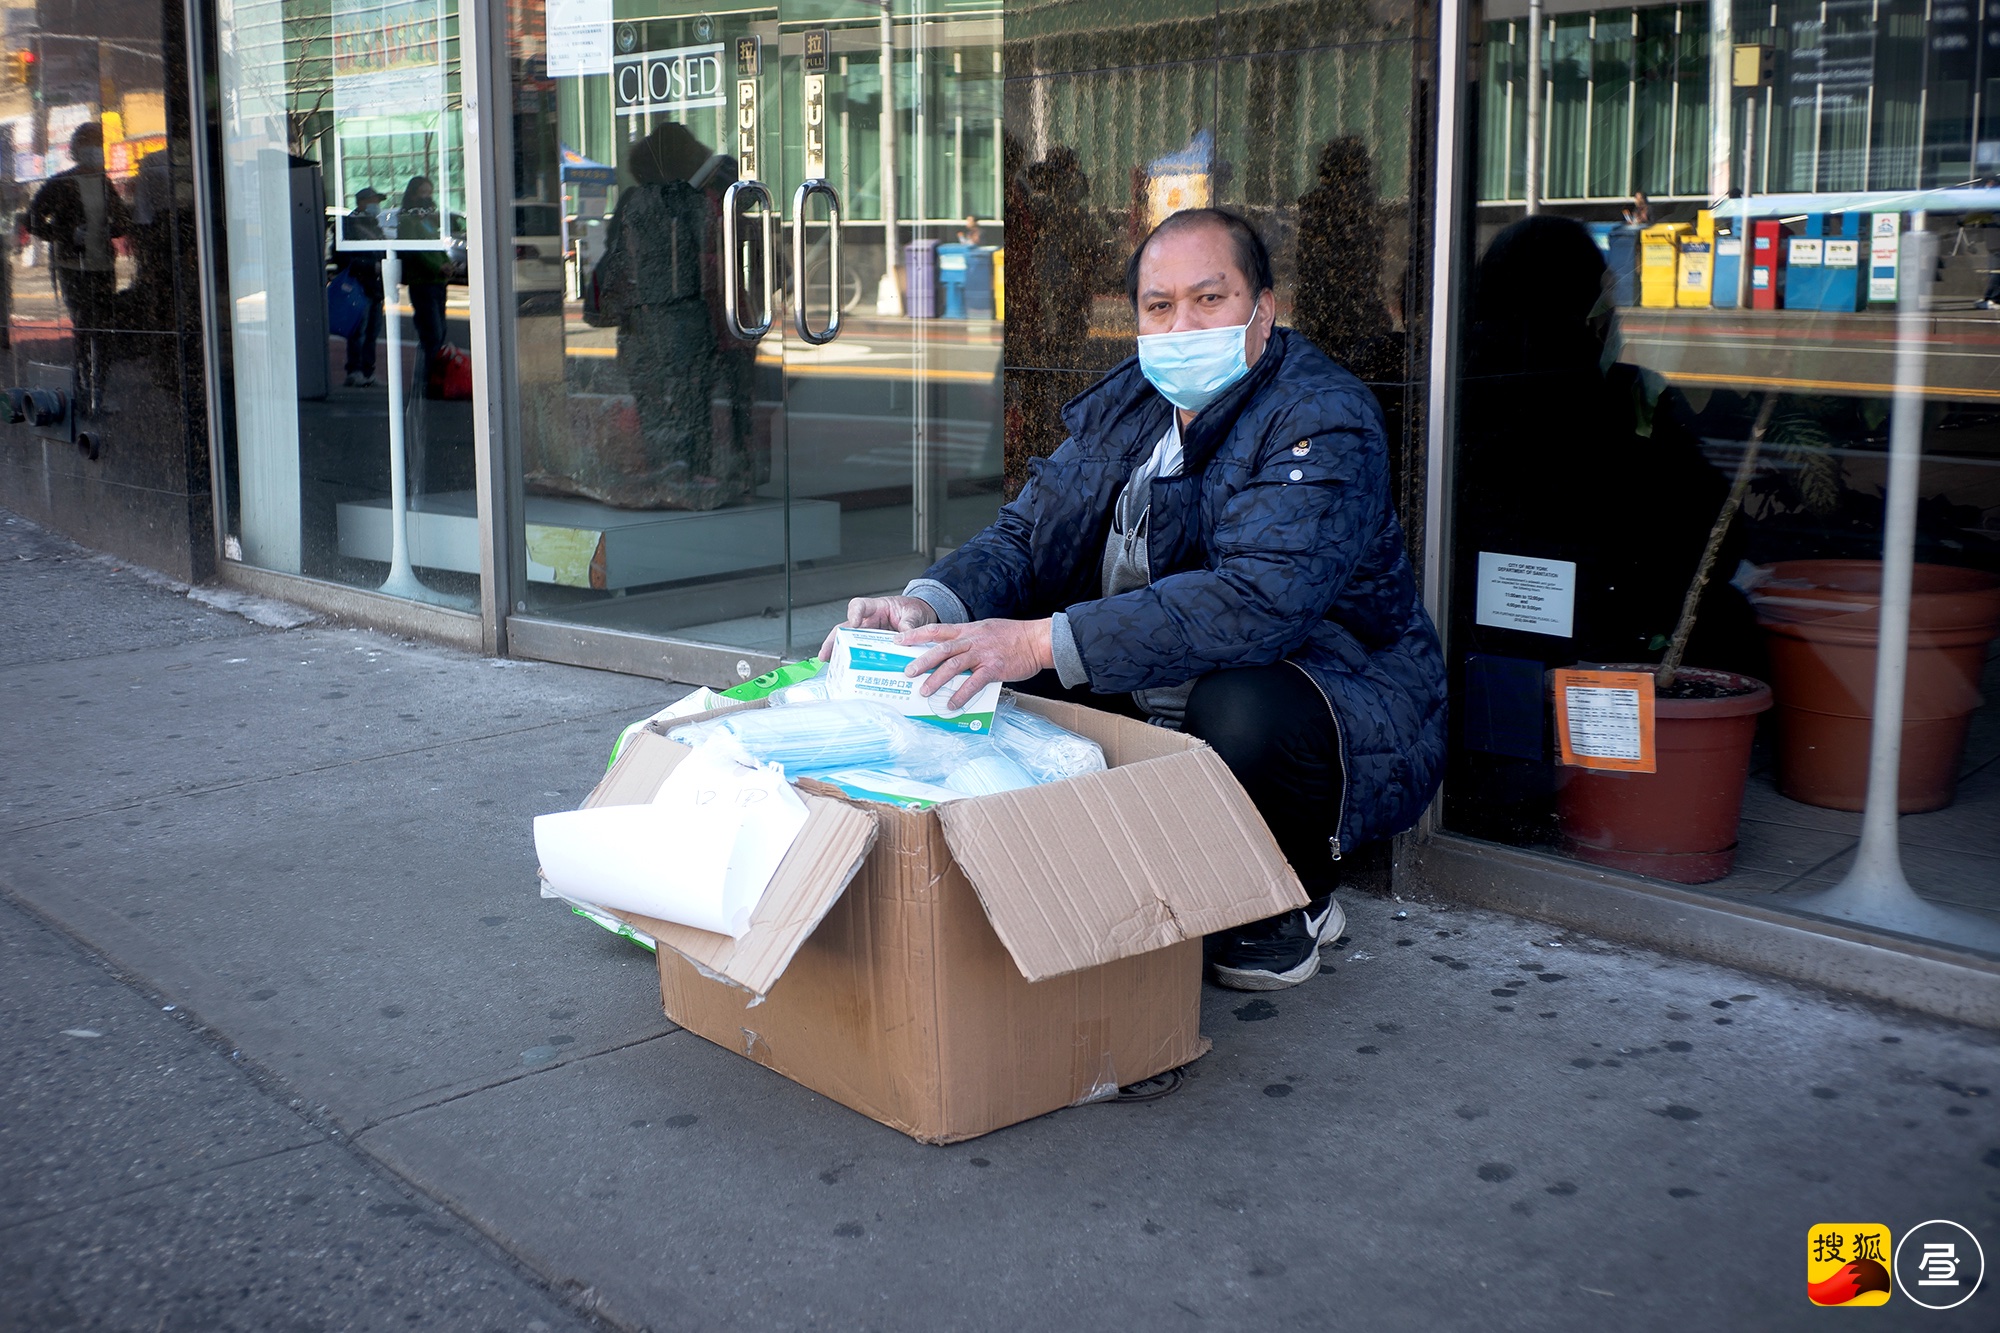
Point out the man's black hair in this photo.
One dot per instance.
(1253, 258)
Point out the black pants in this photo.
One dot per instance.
(1273, 728)
(427, 313)
(361, 347)
(89, 294)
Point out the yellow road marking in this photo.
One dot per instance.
(1827, 386)
(838, 369)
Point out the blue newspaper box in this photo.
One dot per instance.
(979, 282)
(1729, 264)
(1621, 255)
(921, 278)
(1805, 265)
(951, 278)
(1841, 250)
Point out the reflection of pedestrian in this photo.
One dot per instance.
(365, 267)
(1567, 455)
(423, 273)
(1339, 304)
(79, 213)
(1639, 213)
(657, 282)
(969, 233)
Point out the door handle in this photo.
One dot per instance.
(731, 308)
(806, 191)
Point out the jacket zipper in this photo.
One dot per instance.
(1340, 739)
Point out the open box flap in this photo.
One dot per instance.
(1079, 873)
(816, 870)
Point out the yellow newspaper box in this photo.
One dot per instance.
(1696, 282)
(1659, 263)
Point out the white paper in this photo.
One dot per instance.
(1843, 254)
(1805, 251)
(578, 37)
(701, 854)
(1603, 722)
(700, 701)
(1525, 593)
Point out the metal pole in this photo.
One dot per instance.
(1721, 94)
(1875, 890)
(402, 580)
(1447, 138)
(888, 295)
(1532, 189)
(495, 392)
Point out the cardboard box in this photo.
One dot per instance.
(951, 971)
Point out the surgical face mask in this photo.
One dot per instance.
(372, 209)
(90, 159)
(1192, 367)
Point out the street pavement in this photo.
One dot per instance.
(397, 1088)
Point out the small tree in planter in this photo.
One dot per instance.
(1679, 822)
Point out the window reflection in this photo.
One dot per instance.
(1705, 290)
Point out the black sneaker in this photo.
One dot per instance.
(1277, 952)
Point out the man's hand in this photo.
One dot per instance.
(896, 613)
(990, 649)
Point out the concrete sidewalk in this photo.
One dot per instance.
(315, 843)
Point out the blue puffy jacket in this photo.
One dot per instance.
(1276, 542)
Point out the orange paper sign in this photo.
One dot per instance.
(1604, 719)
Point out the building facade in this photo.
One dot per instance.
(641, 335)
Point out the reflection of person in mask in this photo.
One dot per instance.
(658, 281)
(365, 267)
(1213, 549)
(423, 272)
(1569, 455)
(79, 213)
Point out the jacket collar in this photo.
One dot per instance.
(1124, 411)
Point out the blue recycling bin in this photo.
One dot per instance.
(920, 279)
(951, 278)
(1621, 256)
(979, 282)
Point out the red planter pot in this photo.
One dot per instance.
(1678, 822)
(1822, 619)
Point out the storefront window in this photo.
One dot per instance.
(742, 404)
(347, 437)
(1684, 391)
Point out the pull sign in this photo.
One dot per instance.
(749, 65)
(819, 44)
(815, 116)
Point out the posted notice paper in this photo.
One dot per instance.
(1604, 719)
(1526, 593)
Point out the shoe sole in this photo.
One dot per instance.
(1241, 978)
(1257, 979)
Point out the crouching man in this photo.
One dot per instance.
(1213, 549)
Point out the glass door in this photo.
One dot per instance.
(755, 379)
(894, 423)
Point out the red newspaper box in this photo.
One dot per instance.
(1767, 263)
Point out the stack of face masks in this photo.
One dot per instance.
(873, 753)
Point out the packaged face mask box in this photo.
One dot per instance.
(869, 664)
